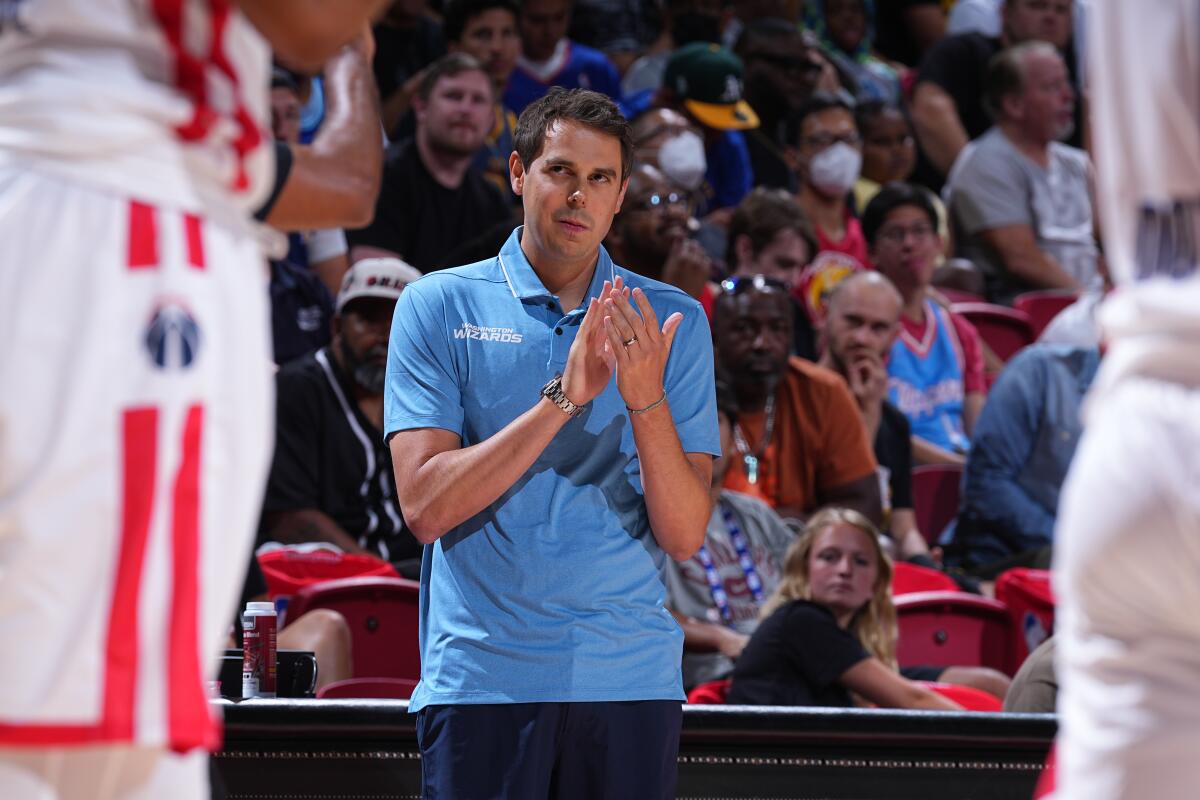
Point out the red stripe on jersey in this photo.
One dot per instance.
(189, 70)
(143, 236)
(195, 240)
(139, 456)
(249, 136)
(190, 724)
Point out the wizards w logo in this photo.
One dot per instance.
(172, 338)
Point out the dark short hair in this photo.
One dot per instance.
(822, 101)
(761, 215)
(893, 196)
(459, 12)
(590, 109)
(1006, 75)
(866, 112)
(448, 66)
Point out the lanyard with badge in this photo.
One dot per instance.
(745, 561)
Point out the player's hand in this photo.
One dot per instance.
(635, 347)
(687, 267)
(588, 371)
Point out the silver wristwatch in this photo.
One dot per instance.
(553, 391)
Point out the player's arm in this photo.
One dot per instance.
(1017, 248)
(334, 182)
(306, 33)
(441, 484)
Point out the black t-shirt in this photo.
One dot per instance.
(401, 53)
(893, 451)
(795, 659)
(892, 39)
(330, 457)
(424, 221)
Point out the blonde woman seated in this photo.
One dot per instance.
(828, 632)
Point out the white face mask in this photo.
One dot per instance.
(835, 169)
(682, 160)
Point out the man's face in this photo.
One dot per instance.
(285, 115)
(822, 130)
(458, 114)
(906, 246)
(654, 217)
(361, 336)
(571, 191)
(1044, 20)
(846, 21)
(1046, 108)
(780, 70)
(543, 23)
(754, 334)
(889, 151)
(491, 37)
(783, 258)
(863, 318)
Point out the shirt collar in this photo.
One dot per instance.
(524, 283)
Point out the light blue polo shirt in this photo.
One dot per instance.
(555, 592)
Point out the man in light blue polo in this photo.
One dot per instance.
(553, 443)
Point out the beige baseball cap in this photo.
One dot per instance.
(376, 277)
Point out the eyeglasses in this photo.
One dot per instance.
(898, 234)
(759, 283)
(660, 202)
(824, 140)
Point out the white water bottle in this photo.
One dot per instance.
(258, 650)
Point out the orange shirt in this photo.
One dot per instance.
(819, 441)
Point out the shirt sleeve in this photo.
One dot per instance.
(816, 646)
(973, 366)
(691, 386)
(989, 191)
(846, 455)
(294, 482)
(422, 388)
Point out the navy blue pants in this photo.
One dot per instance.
(530, 751)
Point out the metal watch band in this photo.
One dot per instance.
(553, 391)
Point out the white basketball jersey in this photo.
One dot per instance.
(1145, 117)
(164, 101)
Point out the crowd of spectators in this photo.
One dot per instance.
(804, 169)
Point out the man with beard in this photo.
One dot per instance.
(651, 234)
(432, 199)
(331, 480)
(800, 440)
(1020, 199)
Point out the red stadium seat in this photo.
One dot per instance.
(959, 295)
(382, 613)
(288, 569)
(935, 492)
(1030, 600)
(712, 693)
(1043, 306)
(954, 629)
(1005, 330)
(383, 688)
(908, 578)
(968, 697)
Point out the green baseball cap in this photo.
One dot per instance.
(708, 79)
